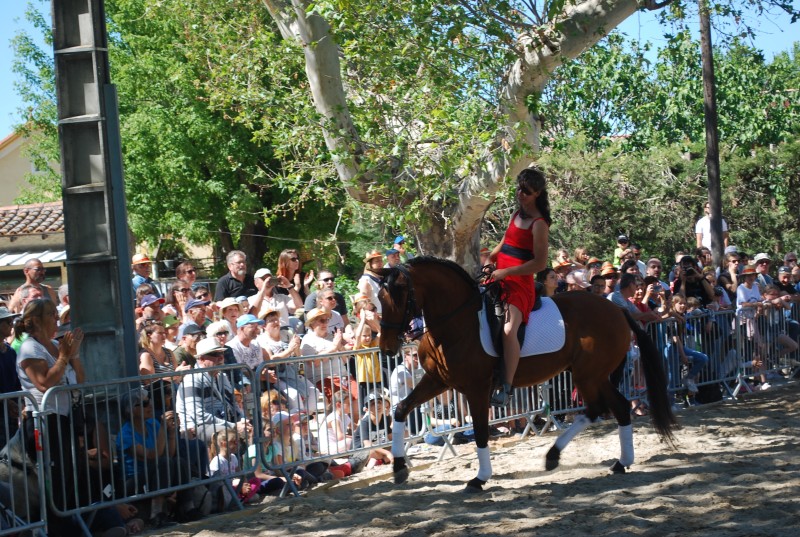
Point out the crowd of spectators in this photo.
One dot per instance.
(330, 406)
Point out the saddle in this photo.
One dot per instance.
(495, 309)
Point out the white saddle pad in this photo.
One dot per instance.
(544, 332)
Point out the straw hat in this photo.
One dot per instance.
(749, 269)
(317, 313)
(372, 255)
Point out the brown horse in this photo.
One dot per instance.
(597, 339)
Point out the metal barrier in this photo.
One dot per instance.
(22, 495)
(305, 411)
(122, 442)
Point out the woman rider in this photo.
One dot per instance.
(521, 254)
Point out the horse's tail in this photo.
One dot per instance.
(657, 395)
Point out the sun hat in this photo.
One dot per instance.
(248, 319)
(139, 259)
(267, 311)
(578, 277)
(227, 303)
(131, 399)
(170, 321)
(207, 346)
(317, 313)
(372, 255)
(593, 261)
(760, 257)
(608, 270)
(5, 314)
(260, 273)
(748, 270)
(64, 314)
(359, 297)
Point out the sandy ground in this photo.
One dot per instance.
(736, 472)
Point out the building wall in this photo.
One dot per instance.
(13, 167)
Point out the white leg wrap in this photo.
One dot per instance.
(484, 464)
(581, 422)
(398, 438)
(626, 445)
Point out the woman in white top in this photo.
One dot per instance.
(43, 363)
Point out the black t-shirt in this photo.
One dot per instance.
(376, 433)
(341, 305)
(228, 286)
(786, 289)
(695, 289)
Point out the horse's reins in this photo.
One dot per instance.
(411, 307)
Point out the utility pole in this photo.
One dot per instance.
(712, 135)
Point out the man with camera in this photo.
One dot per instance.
(266, 297)
(689, 281)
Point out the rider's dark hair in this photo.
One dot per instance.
(535, 180)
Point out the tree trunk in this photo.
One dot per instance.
(454, 231)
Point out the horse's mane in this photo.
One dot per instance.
(455, 267)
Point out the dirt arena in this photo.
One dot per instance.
(736, 473)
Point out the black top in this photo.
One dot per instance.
(341, 305)
(376, 433)
(228, 286)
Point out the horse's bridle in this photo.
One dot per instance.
(412, 310)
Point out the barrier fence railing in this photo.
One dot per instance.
(22, 494)
(300, 417)
(119, 441)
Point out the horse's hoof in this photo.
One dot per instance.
(401, 476)
(552, 459)
(474, 485)
(618, 468)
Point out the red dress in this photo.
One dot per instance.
(517, 249)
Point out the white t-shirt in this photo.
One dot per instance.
(278, 302)
(222, 466)
(328, 444)
(703, 227)
(252, 356)
(743, 294)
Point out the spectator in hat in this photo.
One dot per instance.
(269, 297)
(623, 248)
(327, 280)
(221, 332)
(655, 268)
(370, 283)
(194, 314)
(171, 325)
(326, 298)
(400, 246)
(483, 256)
(610, 275)
(392, 258)
(142, 267)
(187, 345)
(318, 341)
(374, 428)
(150, 307)
(702, 229)
(576, 280)
(593, 267)
(247, 350)
(236, 282)
(229, 312)
(205, 398)
(562, 259)
(34, 272)
(763, 279)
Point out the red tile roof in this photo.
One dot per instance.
(33, 219)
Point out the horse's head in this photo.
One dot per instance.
(398, 306)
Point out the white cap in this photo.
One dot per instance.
(260, 273)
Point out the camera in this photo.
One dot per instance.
(658, 288)
(286, 334)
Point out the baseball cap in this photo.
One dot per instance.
(260, 273)
(227, 303)
(374, 396)
(279, 417)
(760, 257)
(192, 329)
(785, 270)
(623, 238)
(248, 319)
(193, 303)
(170, 320)
(391, 251)
(399, 239)
(149, 300)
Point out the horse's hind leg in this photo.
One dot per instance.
(428, 388)
(620, 407)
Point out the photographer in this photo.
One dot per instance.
(689, 281)
(267, 296)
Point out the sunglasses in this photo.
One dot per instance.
(333, 279)
(184, 290)
(202, 296)
(524, 190)
(295, 259)
(191, 271)
(225, 333)
(330, 298)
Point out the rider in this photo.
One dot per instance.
(521, 254)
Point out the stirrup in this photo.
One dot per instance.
(502, 396)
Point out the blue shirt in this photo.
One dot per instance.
(128, 438)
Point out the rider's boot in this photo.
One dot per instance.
(502, 396)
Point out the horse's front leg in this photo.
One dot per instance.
(479, 409)
(428, 388)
